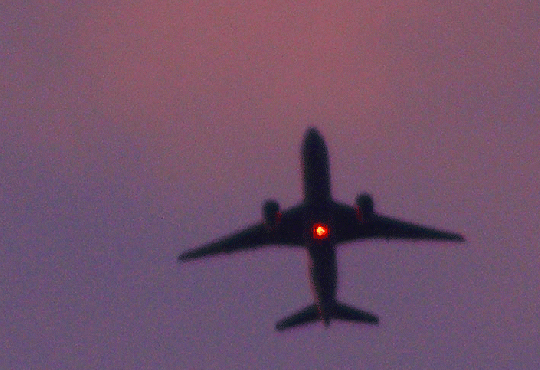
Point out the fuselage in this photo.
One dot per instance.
(318, 227)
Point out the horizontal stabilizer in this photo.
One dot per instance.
(347, 313)
(338, 311)
(305, 316)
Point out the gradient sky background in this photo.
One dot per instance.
(132, 131)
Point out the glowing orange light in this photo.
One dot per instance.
(320, 231)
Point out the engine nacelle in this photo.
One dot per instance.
(271, 214)
(364, 207)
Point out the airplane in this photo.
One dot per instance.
(319, 223)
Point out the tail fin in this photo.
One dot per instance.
(347, 313)
(308, 314)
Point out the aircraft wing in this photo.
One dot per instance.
(287, 232)
(348, 228)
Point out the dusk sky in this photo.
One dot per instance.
(133, 131)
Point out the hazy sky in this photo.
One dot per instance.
(132, 131)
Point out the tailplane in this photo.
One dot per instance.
(347, 313)
(305, 316)
(339, 312)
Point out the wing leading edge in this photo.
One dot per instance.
(287, 232)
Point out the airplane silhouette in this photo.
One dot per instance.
(318, 224)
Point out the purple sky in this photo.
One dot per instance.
(130, 133)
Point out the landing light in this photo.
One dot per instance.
(320, 231)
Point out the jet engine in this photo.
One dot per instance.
(271, 214)
(364, 207)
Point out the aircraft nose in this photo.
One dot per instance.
(312, 136)
(313, 141)
(312, 133)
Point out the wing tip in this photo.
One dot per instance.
(182, 258)
(460, 238)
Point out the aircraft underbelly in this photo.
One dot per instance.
(323, 271)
